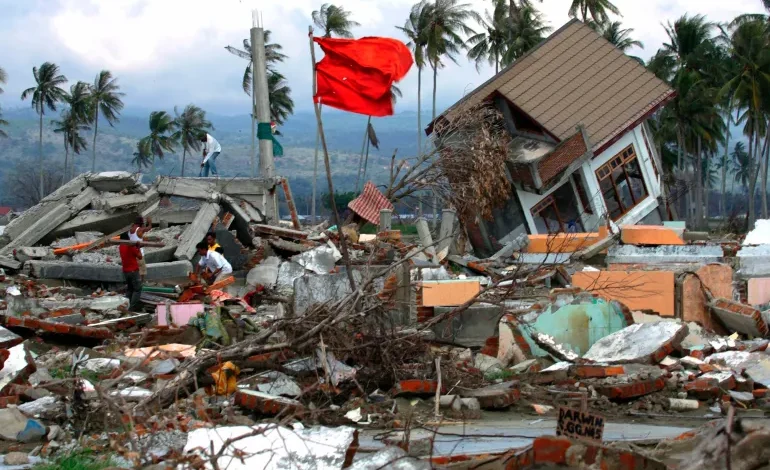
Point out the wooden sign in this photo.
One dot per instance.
(580, 425)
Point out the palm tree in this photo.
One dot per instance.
(742, 167)
(160, 139)
(688, 36)
(46, 93)
(79, 101)
(334, 21)
(3, 122)
(415, 29)
(491, 44)
(189, 125)
(71, 126)
(447, 20)
(748, 89)
(273, 55)
(142, 154)
(105, 97)
(596, 8)
(527, 29)
(281, 104)
(619, 37)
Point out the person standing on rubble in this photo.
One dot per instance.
(213, 262)
(130, 255)
(211, 239)
(136, 233)
(211, 150)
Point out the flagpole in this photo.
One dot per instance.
(333, 203)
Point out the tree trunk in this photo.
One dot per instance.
(698, 174)
(752, 182)
(434, 219)
(723, 195)
(764, 157)
(184, 157)
(96, 129)
(363, 147)
(40, 147)
(66, 158)
(435, 75)
(419, 111)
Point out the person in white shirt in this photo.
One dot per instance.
(211, 150)
(216, 264)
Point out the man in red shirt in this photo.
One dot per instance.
(129, 258)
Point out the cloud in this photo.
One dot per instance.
(171, 52)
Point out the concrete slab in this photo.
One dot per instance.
(265, 273)
(94, 220)
(700, 254)
(113, 181)
(125, 201)
(471, 328)
(288, 272)
(638, 343)
(541, 258)
(638, 290)
(754, 261)
(196, 231)
(103, 272)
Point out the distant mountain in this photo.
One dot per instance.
(115, 146)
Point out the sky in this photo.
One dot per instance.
(171, 52)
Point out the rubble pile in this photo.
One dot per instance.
(380, 354)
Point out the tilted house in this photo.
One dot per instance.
(576, 108)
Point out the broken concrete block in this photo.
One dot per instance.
(26, 253)
(557, 350)
(494, 397)
(280, 232)
(39, 228)
(14, 426)
(651, 235)
(94, 221)
(470, 328)
(242, 218)
(312, 289)
(756, 365)
(754, 261)
(487, 364)
(126, 201)
(631, 254)
(288, 272)
(278, 383)
(196, 231)
(739, 318)
(589, 318)
(560, 242)
(509, 352)
(103, 272)
(113, 181)
(9, 339)
(265, 273)
(187, 187)
(18, 366)
(448, 293)
(640, 343)
(254, 214)
(320, 260)
(638, 290)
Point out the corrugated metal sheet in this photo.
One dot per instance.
(576, 77)
(369, 203)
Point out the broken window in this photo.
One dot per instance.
(621, 183)
(558, 212)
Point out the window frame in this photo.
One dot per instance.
(621, 160)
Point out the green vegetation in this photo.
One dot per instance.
(78, 460)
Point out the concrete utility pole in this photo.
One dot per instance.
(262, 100)
(262, 111)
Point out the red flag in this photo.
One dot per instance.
(356, 74)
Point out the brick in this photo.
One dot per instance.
(740, 317)
(551, 450)
(268, 404)
(637, 290)
(703, 389)
(416, 387)
(632, 389)
(761, 393)
(59, 328)
(653, 235)
(495, 397)
(589, 371)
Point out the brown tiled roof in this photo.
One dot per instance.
(576, 77)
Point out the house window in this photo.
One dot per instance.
(582, 194)
(621, 183)
(557, 212)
